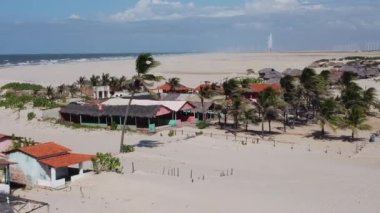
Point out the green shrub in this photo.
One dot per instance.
(31, 116)
(22, 142)
(12, 101)
(113, 126)
(44, 102)
(171, 133)
(105, 162)
(202, 125)
(22, 86)
(127, 148)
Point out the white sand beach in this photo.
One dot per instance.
(293, 175)
(192, 69)
(297, 173)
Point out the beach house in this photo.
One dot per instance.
(257, 88)
(47, 164)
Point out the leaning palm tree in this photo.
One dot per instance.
(328, 114)
(356, 120)
(144, 63)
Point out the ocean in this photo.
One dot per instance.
(37, 59)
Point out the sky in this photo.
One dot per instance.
(123, 26)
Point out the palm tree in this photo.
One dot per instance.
(266, 102)
(230, 87)
(61, 89)
(73, 89)
(114, 84)
(205, 92)
(81, 82)
(248, 116)
(105, 79)
(94, 80)
(236, 109)
(369, 98)
(356, 120)
(123, 82)
(174, 83)
(351, 95)
(144, 63)
(328, 114)
(50, 92)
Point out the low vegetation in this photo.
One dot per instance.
(31, 116)
(22, 86)
(105, 162)
(127, 148)
(171, 133)
(21, 142)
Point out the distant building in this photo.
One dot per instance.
(101, 92)
(295, 73)
(47, 164)
(270, 75)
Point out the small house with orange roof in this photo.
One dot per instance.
(256, 89)
(47, 164)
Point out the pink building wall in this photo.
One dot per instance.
(163, 111)
(5, 144)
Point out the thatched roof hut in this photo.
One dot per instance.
(270, 75)
(95, 111)
(293, 72)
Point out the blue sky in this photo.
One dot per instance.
(56, 26)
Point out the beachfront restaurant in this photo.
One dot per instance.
(142, 113)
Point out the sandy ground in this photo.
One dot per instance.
(191, 68)
(297, 173)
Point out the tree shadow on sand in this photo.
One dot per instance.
(148, 144)
(317, 135)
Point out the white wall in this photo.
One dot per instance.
(30, 167)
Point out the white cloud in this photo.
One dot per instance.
(154, 10)
(270, 6)
(174, 9)
(74, 17)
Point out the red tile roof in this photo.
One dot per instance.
(66, 160)
(257, 88)
(167, 87)
(44, 150)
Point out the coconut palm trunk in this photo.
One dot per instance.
(125, 121)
